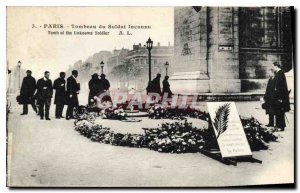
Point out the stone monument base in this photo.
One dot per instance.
(197, 82)
(189, 83)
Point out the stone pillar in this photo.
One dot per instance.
(223, 50)
(190, 51)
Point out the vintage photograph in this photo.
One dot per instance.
(188, 96)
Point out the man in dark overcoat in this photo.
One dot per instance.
(154, 87)
(72, 94)
(149, 87)
(27, 92)
(268, 98)
(105, 83)
(104, 87)
(279, 103)
(44, 95)
(60, 94)
(155, 84)
(95, 87)
(166, 87)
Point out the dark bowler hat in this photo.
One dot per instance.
(102, 75)
(28, 71)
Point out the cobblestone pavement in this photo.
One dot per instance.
(52, 153)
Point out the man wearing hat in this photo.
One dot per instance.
(95, 87)
(154, 87)
(166, 87)
(104, 87)
(72, 91)
(279, 97)
(60, 94)
(27, 92)
(104, 82)
(156, 84)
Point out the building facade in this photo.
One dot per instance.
(133, 71)
(229, 49)
(159, 56)
(88, 67)
(116, 59)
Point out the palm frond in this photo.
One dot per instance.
(221, 119)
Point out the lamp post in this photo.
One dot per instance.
(101, 65)
(149, 45)
(167, 66)
(19, 65)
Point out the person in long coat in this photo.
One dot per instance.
(155, 85)
(268, 98)
(104, 87)
(105, 83)
(60, 94)
(166, 87)
(44, 95)
(279, 103)
(95, 87)
(149, 87)
(27, 92)
(72, 94)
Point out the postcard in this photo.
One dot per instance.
(188, 96)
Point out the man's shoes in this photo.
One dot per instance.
(67, 118)
(62, 117)
(42, 118)
(24, 114)
(57, 117)
(48, 119)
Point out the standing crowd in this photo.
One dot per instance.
(154, 86)
(39, 94)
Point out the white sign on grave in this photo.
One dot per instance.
(228, 128)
